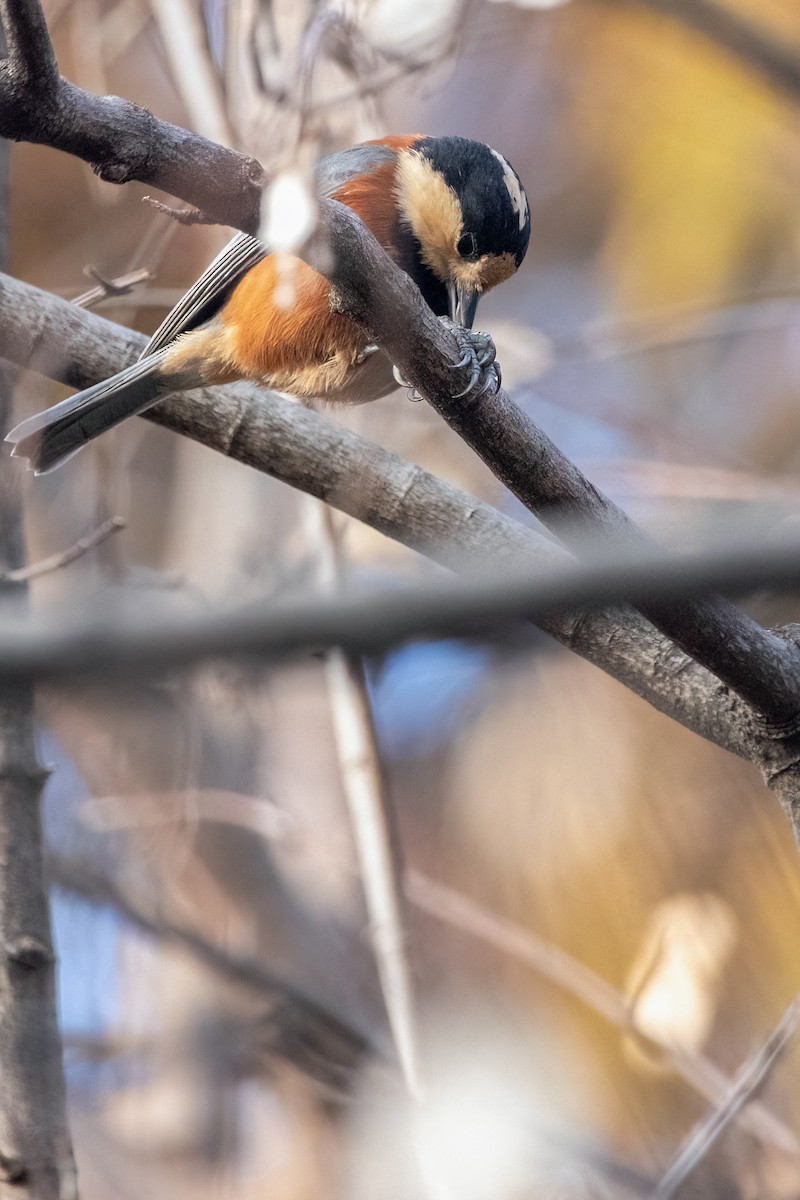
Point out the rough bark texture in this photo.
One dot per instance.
(401, 500)
(756, 663)
(122, 141)
(762, 668)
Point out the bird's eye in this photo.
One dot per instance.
(466, 246)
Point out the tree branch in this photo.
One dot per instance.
(399, 499)
(122, 141)
(300, 1019)
(757, 664)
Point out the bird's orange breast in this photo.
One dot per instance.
(279, 320)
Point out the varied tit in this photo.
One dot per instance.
(451, 212)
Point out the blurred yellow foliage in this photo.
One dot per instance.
(689, 140)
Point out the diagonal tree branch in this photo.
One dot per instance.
(399, 499)
(404, 502)
(756, 663)
(749, 1080)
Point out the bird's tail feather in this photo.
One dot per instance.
(51, 437)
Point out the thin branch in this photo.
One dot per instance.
(560, 968)
(107, 289)
(86, 881)
(371, 817)
(63, 558)
(183, 216)
(122, 141)
(676, 326)
(747, 1084)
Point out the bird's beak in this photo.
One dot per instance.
(463, 303)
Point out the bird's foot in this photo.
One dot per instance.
(478, 350)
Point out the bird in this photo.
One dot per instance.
(450, 211)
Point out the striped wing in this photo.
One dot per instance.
(206, 297)
(208, 294)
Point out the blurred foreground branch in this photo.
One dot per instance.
(380, 296)
(95, 641)
(397, 498)
(402, 501)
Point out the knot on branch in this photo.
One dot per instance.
(136, 128)
(29, 953)
(12, 1170)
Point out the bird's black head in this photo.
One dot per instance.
(468, 212)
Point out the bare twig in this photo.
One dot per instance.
(84, 880)
(560, 968)
(746, 1085)
(371, 819)
(123, 285)
(183, 216)
(679, 325)
(64, 557)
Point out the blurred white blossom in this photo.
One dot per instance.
(674, 983)
(400, 27)
(289, 212)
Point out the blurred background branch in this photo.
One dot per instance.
(750, 41)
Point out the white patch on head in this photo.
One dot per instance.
(519, 201)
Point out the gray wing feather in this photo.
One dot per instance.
(337, 170)
(207, 295)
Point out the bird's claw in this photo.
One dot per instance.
(477, 349)
(413, 394)
(366, 353)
